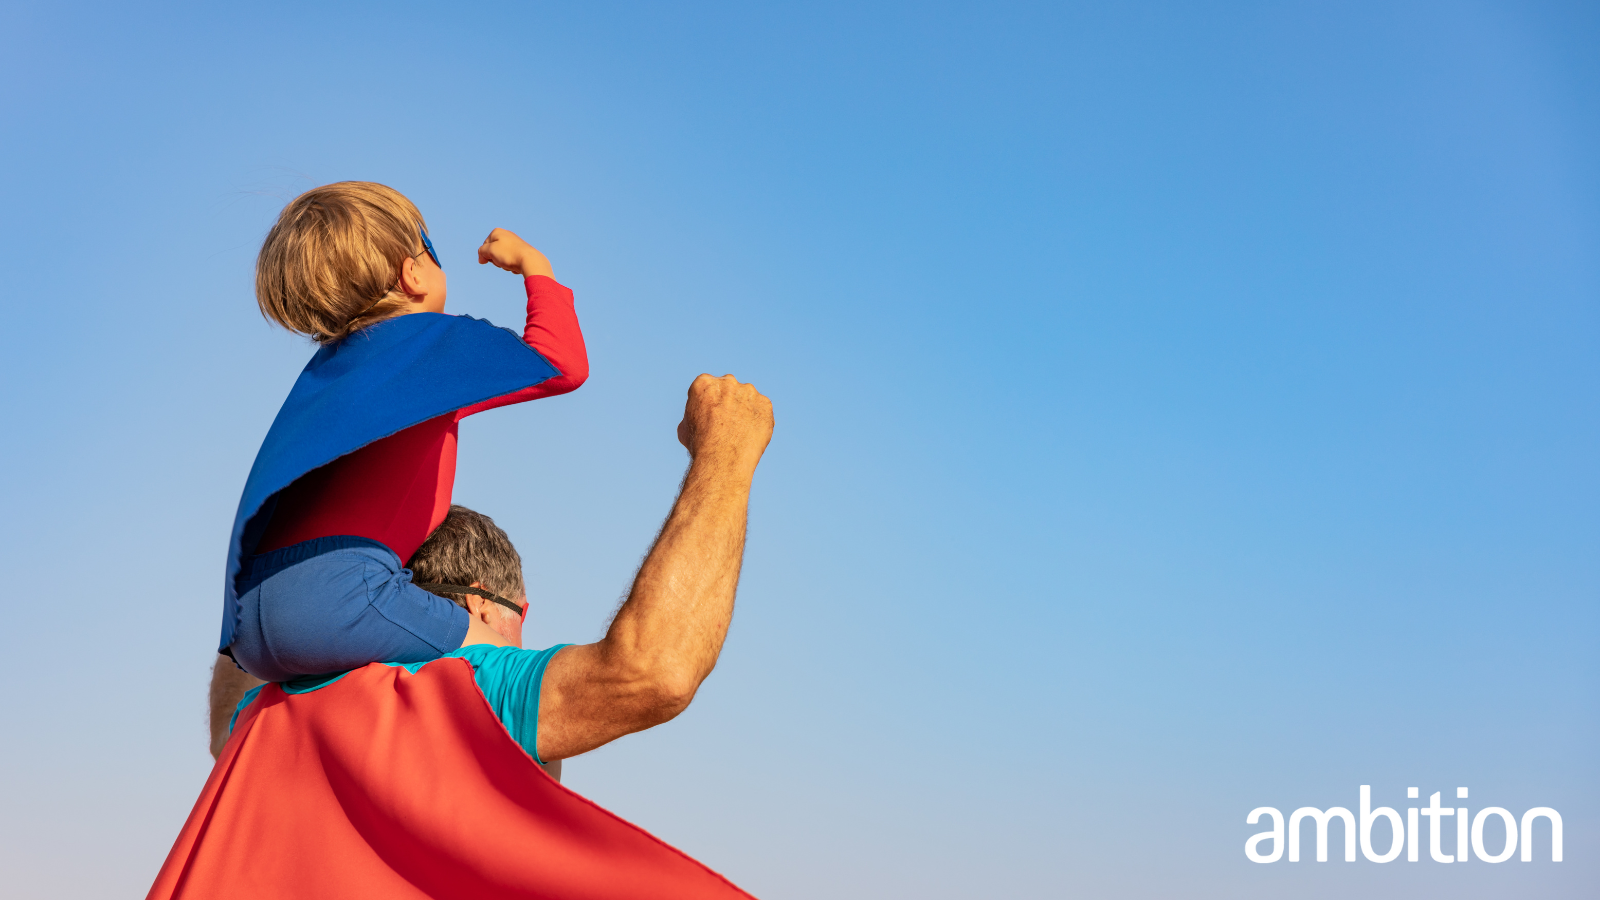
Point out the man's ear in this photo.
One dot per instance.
(479, 607)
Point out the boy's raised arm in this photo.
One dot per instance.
(551, 326)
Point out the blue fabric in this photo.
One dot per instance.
(380, 380)
(248, 698)
(335, 603)
(509, 677)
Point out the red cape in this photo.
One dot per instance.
(388, 784)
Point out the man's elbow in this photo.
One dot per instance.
(669, 694)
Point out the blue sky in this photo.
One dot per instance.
(1180, 410)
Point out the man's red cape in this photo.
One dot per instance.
(389, 784)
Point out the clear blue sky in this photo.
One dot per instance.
(1182, 408)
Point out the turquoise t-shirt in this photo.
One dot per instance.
(509, 677)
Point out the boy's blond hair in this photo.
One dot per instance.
(329, 264)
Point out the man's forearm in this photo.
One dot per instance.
(228, 686)
(677, 615)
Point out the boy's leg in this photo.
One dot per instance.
(335, 604)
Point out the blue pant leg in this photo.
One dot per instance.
(336, 604)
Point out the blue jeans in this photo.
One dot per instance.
(337, 603)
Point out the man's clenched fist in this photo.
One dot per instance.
(726, 419)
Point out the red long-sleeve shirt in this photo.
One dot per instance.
(397, 490)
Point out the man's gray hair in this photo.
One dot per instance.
(466, 547)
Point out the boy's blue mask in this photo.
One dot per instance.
(428, 246)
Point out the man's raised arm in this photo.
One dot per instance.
(666, 637)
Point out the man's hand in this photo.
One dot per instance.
(725, 419)
(509, 252)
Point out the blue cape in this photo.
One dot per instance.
(382, 379)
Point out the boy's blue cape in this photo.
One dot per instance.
(380, 380)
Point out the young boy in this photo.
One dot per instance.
(358, 467)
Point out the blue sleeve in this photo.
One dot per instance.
(510, 678)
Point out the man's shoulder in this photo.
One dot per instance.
(480, 654)
(510, 679)
(491, 662)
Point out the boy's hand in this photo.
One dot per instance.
(513, 254)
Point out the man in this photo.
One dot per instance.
(400, 781)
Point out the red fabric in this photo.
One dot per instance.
(397, 490)
(392, 785)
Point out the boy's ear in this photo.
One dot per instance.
(410, 282)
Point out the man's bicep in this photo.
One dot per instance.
(561, 700)
(585, 702)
